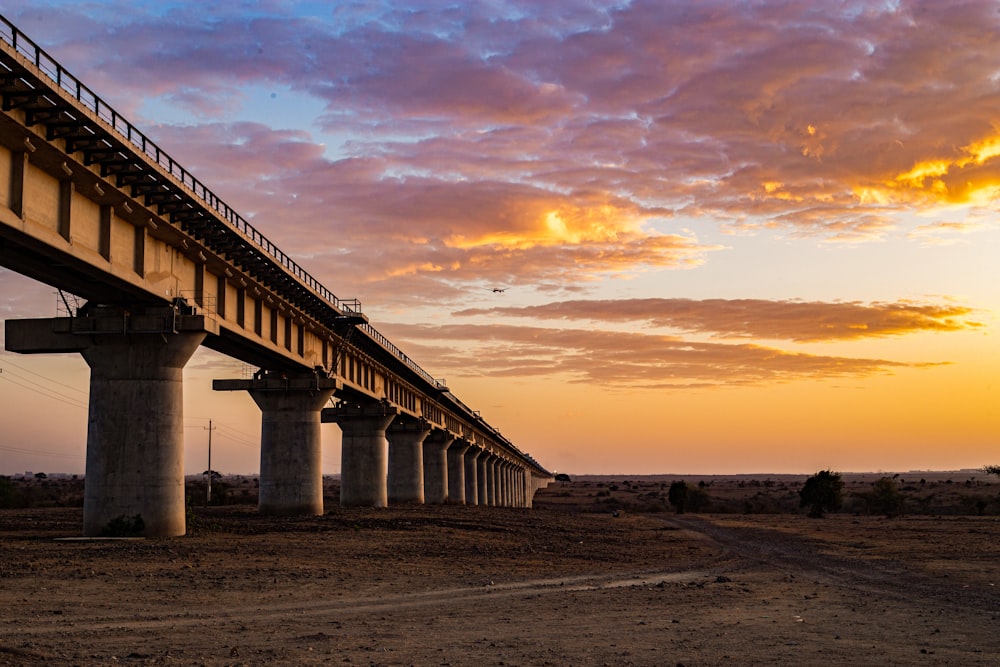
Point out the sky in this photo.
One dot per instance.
(733, 237)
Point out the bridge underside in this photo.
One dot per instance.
(90, 206)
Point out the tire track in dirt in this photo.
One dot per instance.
(805, 557)
(344, 607)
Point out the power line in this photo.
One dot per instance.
(240, 437)
(41, 390)
(37, 452)
(8, 362)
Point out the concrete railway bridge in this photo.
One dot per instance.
(91, 206)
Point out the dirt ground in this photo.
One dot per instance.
(490, 586)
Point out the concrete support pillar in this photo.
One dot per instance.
(436, 473)
(135, 432)
(498, 483)
(508, 486)
(291, 448)
(456, 471)
(291, 451)
(508, 483)
(491, 481)
(135, 426)
(406, 460)
(535, 482)
(483, 468)
(499, 488)
(471, 462)
(364, 456)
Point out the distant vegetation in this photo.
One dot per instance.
(40, 490)
(889, 496)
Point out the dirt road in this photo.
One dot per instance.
(489, 586)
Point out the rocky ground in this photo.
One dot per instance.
(491, 586)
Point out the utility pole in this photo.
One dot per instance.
(209, 428)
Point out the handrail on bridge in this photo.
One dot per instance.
(70, 84)
(73, 86)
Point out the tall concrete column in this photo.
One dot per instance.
(498, 482)
(364, 459)
(483, 468)
(135, 424)
(135, 433)
(406, 460)
(508, 487)
(436, 473)
(472, 475)
(535, 482)
(291, 451)
(291, 447)
(456, 471)
(494, 481)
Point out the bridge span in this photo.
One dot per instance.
(92, 207)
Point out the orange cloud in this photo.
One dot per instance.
(615, 359)
(758, 318)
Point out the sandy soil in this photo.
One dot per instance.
(491, 586)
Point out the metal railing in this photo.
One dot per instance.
(123, 128)
(139, 141)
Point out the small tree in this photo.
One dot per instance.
(678, 495)
(992, 470)
(823, 492)
(885, 498)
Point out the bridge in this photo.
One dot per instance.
(92, 207)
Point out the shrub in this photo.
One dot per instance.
(697, 500)
(885, 498)
(823, 492)
(678, 495)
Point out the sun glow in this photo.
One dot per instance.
(981, 151)
(942, 181)
(559, 226)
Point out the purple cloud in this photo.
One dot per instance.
(552, 138)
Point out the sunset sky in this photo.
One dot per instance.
(734, 237)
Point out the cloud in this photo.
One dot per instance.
(797, 321)
(428, 233)
(669, 104)
(554, 143)
(948, 233)
(616, 359)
